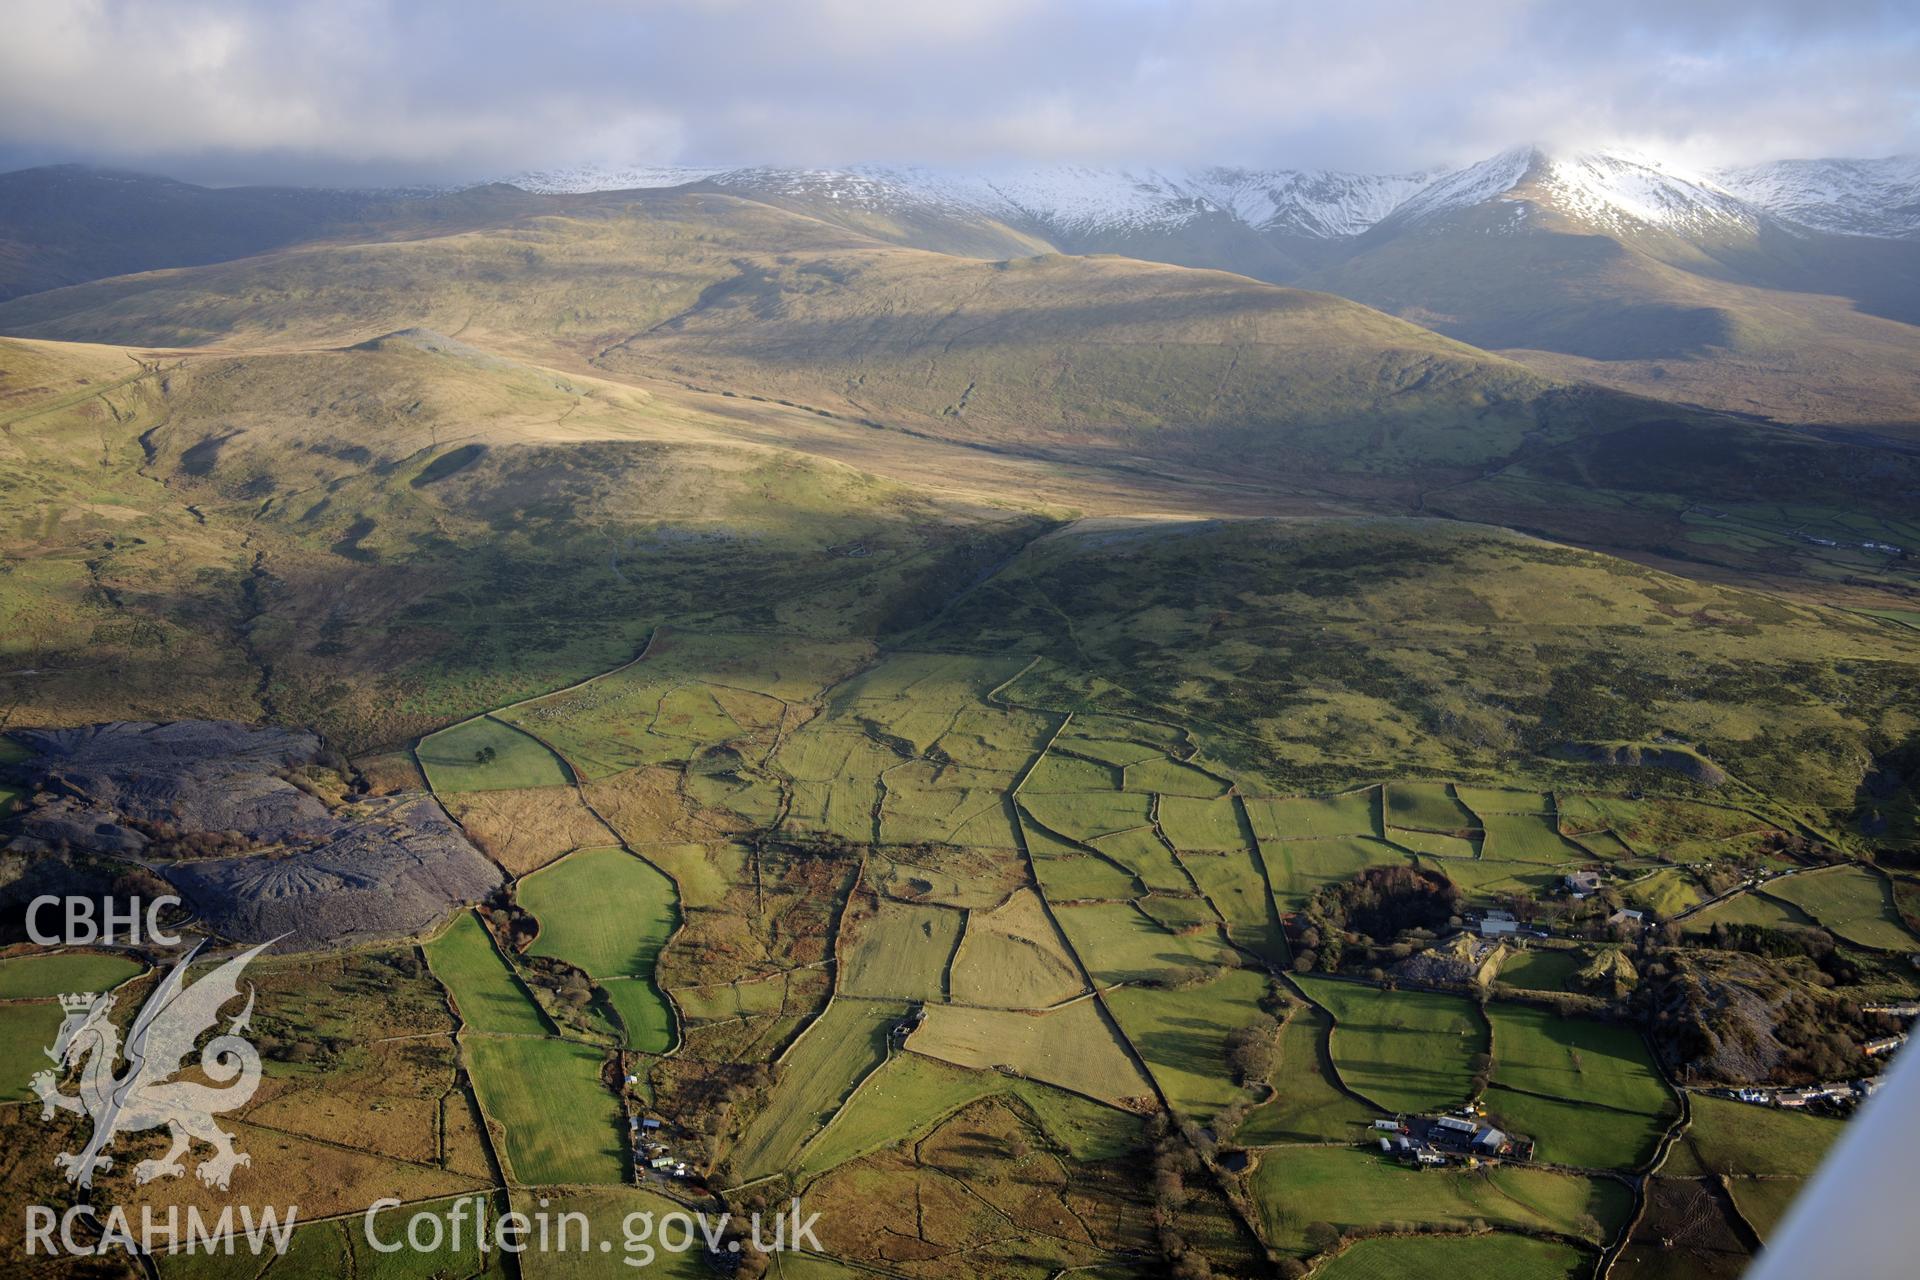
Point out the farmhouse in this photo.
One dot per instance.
(1625, 916)
(1582, 883)
(1496, 923)
(1431, 1140)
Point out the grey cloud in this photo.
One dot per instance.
(360, 90)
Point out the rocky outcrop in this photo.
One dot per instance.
(301, 870)
(1632, 755)
(1462, 960)
(396, 870)
(192, 775)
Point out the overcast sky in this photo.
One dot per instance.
(442, 90)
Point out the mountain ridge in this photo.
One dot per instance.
(1608, 186)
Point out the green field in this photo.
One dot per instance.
(1576, 1059)
(1434, 844)
(1237, 886)
(1604, 845)
(1070, 877)
(1298, 868)
(1739, 1137)
(1665, 893)
(1142, 852)
(1680, 830)
(815, 1075)
(1172, 778)
(486, 992)
(1749, 908)
(561, 1123)
(912, 1093)
(1062, 774)
(1356, 813)
(1528, 837)
(485, 754)
(1407, 1051)
(609, 913)
(315, 1252)
(1359, 1190)
(1012, 957)
(45, 976)
(1087, 815)
(1574, 1132)
(1501, 1256)
(691, 689)
(1541, 969)
(1072, 1047)
(901, 950)
(1849, 901)
(1182, 1035)
(1202, 824)
(1486, 801)
(1586, 1092)
(1763, 1202)
(1307, 1105)
(1427, 806)
(26, 1028)
(29, 1015)
(1120, 943)
(1482, 879)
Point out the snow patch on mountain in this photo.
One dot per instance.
(1879, 198)
(1076, 200)
(1608, 190)
(1320, 203)
(1613, 191)
(1616, 190)
(1464, 188)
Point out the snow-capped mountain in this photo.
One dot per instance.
(1073, 199)
(1320, 204)
(1878, 198)
(1613, 191)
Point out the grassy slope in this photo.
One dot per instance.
(1494, 1257)
(1404, 1050)
(609, 913)
(444, 529)
(1067, 351)
(1319, 656)
(233, 536)
(1351, 1188)
(1644, 313)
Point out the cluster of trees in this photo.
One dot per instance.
(1379, 906)
(1250, 1049)
(1175, 1159)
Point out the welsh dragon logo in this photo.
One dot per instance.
(145, 1095)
